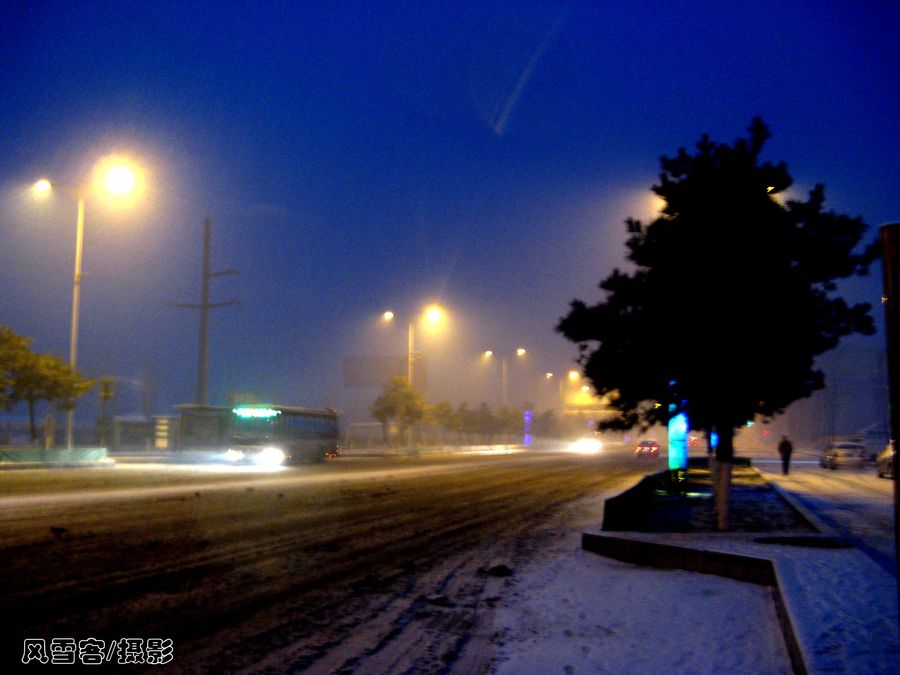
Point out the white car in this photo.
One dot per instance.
(843, 453)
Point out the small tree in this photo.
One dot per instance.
(732, 298)
(547, 425)
(485, 422)
(13, 351)
(398, 402)
(45, 377)
(441, 415)
(464, 420)
(510, 421)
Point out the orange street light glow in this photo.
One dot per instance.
(520, 351)
(118, 178)
(42, 186)
(434, 315)
(388, 315)
(574, 375)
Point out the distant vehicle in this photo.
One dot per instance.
(259, 434)
(866, 442)
(647, 449)
(590, 445)
(843, 454)
(884, 462)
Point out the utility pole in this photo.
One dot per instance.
(890, 261)
(204, 307)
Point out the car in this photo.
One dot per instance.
(844, 454)
(647, 449)
(884, 462)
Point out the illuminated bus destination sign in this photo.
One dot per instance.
(256, 412)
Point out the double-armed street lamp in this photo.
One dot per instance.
(432, 318)
(118, 180)
(488, 354)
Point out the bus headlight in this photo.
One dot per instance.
(269, 456)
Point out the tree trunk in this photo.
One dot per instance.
(722, 484)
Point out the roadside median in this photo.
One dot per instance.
(40, 458)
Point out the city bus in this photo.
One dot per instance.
(259, 434)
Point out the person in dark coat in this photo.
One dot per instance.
(785, 448)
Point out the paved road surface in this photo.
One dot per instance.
(358, 564)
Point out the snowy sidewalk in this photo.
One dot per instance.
(841, 606)
(573, 611)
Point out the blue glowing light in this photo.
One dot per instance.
(678, 441)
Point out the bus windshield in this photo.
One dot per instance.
(254, 425)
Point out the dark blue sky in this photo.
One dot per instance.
(356, 156)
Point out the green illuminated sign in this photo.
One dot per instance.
(256, 412)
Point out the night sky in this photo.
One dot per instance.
(359, 156)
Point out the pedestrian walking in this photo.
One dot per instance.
(785, 448)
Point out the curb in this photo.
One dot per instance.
(760, 571)
(804, 512)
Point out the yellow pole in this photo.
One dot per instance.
(76, 299)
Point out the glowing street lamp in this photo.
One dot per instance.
(118, 179)
(566, 386)
(432, 318)
(521, 352)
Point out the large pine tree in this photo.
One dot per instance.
(731, 297)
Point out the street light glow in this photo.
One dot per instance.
(434, 315)
(388, 316)
(520, 351)
(42, 186)
(574, 375)
(548, 376)
(118, 178)
(488, 353)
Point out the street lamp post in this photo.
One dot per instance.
(432, 316)
(504, 372)
(76, 303)
(572, 377)
(410, 351)
(118, 178)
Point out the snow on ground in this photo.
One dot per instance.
(572, 611)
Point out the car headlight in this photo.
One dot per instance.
(586, 446)
(233, 455)
(269, 456)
